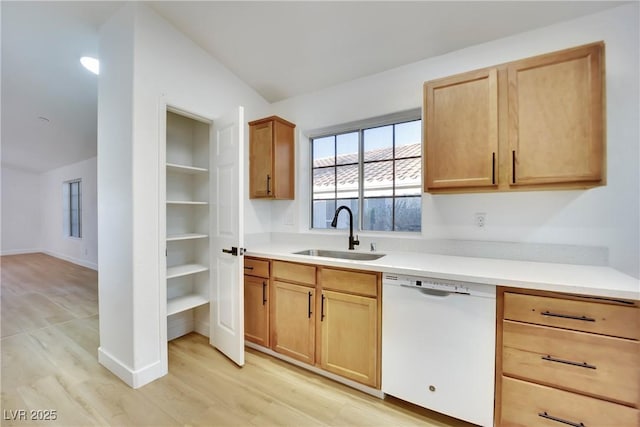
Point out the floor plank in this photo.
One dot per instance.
(50, 336)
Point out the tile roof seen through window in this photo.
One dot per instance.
(407, 169)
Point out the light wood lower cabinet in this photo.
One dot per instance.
(326, 317)
(350, 336)
(567, 360)
(590, 364)
(527, 404)
(256, 300)
(256, 310)
(293, 322)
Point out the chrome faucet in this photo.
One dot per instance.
(334, 223)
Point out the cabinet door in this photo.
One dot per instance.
(555, 120)
(350, 336)
(461, 131)
(292, 321)
(260, 160)
(256, 310)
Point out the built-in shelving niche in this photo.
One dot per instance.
(187, 224)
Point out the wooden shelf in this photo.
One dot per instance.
(173, 167)
(185, 302)
(185, 202)
(185, 270)
(186, 236)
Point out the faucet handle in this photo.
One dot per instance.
(356, 241)
(373, 247)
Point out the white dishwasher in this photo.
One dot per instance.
(438, 345)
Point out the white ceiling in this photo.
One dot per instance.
(42, 43)
(281, 49)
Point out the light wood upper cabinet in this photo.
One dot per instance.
(271, 159)
(556, 117)
(461, 130)
(536, 123)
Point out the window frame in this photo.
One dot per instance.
(68, 208)
(360, 127)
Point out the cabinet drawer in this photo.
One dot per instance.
(349, 281)
(591, 364)
(299, 273)
(606, 319)
(528, 404)
(256, 267)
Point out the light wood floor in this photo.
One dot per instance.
(49, 362)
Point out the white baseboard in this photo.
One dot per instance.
(363, 388)
(81, 262)
(133, 378)
(19, 251)
(202, 328)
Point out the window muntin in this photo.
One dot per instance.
(336, 179)
(376, 171)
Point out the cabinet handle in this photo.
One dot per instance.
(493, 168)
(513, 166)
(268, 184)
(322, 308)
(568, 362)
(567, 316)
(559, 420)
(309, 313)
(264, 292)
(248, 267)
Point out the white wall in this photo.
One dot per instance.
(115, 201)
(21, 223)
(606, 216)
(158, 65)
(83, 251)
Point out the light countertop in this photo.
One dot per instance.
(569, 278)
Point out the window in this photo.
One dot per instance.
(72, 207)
(375, 171)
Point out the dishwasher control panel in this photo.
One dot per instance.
(443, 285)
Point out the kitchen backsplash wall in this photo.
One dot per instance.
(537, 252)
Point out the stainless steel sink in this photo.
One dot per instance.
(360, 256)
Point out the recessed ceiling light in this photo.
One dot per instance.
(91, 64)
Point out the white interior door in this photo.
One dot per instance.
(227, 233)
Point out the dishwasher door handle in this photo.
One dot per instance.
(429, 292)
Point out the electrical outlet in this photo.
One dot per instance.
(480, 219)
